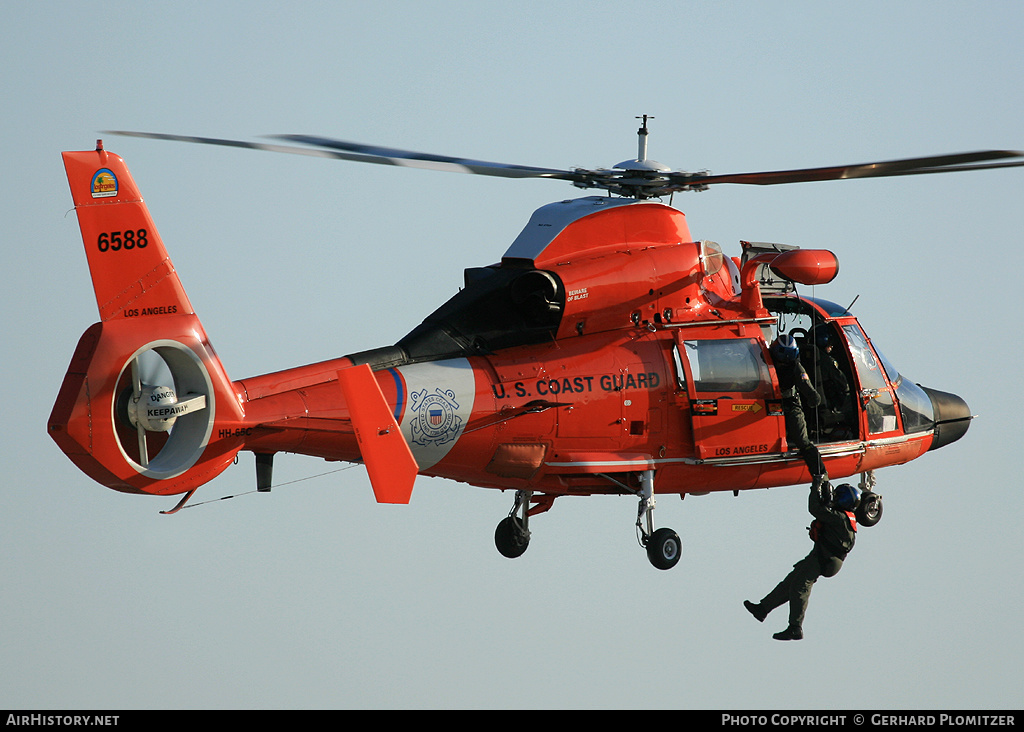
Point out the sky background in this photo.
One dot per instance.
(315, 596)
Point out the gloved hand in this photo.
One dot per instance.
(825, 492)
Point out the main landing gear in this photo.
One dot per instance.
(663, 546)
(512, 535)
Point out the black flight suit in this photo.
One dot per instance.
(835, 392)
(834, 384)
(834, 532)
(797, 388)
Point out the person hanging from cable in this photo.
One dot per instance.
(834, 532)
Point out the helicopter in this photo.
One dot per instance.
(606, 352)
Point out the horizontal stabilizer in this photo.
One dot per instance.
(386, 454)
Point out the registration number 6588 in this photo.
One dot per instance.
(115, 241)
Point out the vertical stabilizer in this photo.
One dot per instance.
(146, 405)
(131, 272)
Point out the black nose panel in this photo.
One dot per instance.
(952, 417)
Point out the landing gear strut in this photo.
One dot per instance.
(663, 546)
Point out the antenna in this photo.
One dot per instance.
(646, 169)
(641, 152)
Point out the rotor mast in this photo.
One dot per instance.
(642, 171)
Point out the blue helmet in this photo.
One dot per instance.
(784, 349)
(846, 497)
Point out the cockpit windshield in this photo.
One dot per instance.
(915, 405)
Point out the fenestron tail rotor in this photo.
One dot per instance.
(640, 178)
(147, 379)
(163, 408)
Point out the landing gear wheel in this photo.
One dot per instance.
(664, 548)
(869, 512)
(511, 538)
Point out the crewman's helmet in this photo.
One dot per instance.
(846, 497)
(784, 349)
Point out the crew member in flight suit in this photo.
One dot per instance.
(834, 532)
(834, 383)
(835, 387)
(797, 388)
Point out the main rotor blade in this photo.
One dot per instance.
(631, 182)
(341, 150)
(908, 166)
(429, 161)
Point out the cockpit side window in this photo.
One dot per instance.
(874, 392)
(868, 368)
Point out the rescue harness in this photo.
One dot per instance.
(830, 544)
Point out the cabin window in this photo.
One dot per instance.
(725, 365)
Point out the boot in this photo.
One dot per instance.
(756, 610)
(790, 633)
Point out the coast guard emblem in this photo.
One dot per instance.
(434, 421)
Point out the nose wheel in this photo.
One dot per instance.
(869, 511)
(664, 548)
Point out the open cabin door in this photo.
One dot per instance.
(733, 406)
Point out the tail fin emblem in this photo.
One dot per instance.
(104, 183)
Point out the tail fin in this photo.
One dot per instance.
(146, 406)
